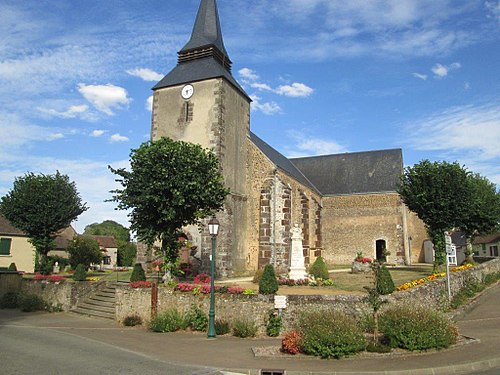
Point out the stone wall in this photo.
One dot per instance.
(10, 282)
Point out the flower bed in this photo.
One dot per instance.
(291, 282)
(434, 276)
(197, 288)
(49, 278)
(141, 284)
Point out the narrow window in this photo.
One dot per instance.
(187, 112)
(494, 251)
(5, 246)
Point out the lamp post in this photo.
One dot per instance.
(213, 229)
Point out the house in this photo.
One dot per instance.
(64, 237)
(109, 250)
(343, 204)
(487, 246)
(15, 247)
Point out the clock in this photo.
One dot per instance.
(187, 92)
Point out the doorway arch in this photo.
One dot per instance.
(380, 250)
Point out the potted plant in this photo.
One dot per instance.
(361, 263)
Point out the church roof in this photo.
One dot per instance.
(281, 161)
(353, 173)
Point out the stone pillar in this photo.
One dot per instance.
(297, 261)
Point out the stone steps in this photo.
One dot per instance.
(101, 304)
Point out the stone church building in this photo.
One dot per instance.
(344, 204)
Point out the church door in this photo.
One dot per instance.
(380, 248)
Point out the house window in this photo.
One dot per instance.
(5, 246)
(494, 251)
(107, 260)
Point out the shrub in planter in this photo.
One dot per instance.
(384, 282)
(319, 269)
(274, 324)
(12, 267)
(417, 328)
(10, 300)
(222, 327)
(244, 328)
(169, 321)
(138, 273)
(132, 320)
(291, 343)
(330, 334)
(32, 302)
(80, 273)
(268, 283)
(196, 319)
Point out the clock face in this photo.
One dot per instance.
(187, 91)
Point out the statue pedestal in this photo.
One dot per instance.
(297, 261)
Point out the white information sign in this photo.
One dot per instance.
(280, 302)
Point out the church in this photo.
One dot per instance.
(344, 204)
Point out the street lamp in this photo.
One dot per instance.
(213, 229)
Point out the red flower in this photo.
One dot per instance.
(202, 278)
(141, 284)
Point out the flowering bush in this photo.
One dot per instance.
(363, 260)
(49, 278)
(202, 278)
(205, 289)
(434, 276)
(235, 290)
(141, 284)
(291, 342)
(291, 282)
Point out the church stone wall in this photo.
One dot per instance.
(352, 224)
(417, 234)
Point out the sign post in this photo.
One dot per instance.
(280, 303)
(449, 251)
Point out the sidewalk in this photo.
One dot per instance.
(233, 355)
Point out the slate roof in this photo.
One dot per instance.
(491, 238)
(7, 229)
(206, 30)
(353, 173)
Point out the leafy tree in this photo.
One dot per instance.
(84, 250)
(40, 206)
(171, 184)
(126, 250)
(438, 193)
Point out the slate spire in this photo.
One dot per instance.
(206, 38)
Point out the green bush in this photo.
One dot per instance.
(492, 278)
(46, 266)
(330, 334)
(274, 324)
(84, 250)
(169, 321)
(319, 269)
(132, 320)
(367, 323)
(138, 273)
(80, 273)
(222, 327)
(385, 284)
(417, 328)
(268, 283)
(465, 293)
(196, 319)
(244, 328)
(32, 302)
(10, 300)
(12, 267)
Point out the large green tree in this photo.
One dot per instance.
(171, 184)
(126, 250)
(41, 205)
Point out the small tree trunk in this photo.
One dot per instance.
(375, 328)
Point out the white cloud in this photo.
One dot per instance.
(295, 90)
(118, 138)
(55, 136)
(72, 112)
(105, 97)
(466, 85)
(494, 9)
(310, 146)
(249, 74)
(145, 74)
(97, 133)
(149, 104)
(441, 71)
(261, 86)
(421, 76)
(268, 108)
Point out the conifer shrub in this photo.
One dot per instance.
(80, 273)
(222, 327)
(330, 334)
(138, 273)
(417, 328)
(10, 300)
(12, 267)
(384, 283)
(169, 321)
(319, 269)
(32, 302)
(268, 283)
(244, 328)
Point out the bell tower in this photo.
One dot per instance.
(199, 101)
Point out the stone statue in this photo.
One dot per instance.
(297, 261)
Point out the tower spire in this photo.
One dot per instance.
(206, 38)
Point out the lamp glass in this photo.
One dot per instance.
(213, 226)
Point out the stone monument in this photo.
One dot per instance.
(297, 261)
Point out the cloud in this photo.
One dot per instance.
(118, 138)
(146, 74)
(248, 74)
(471, 132)
(494, 9)
(54, 136)
(261, 86)
(149, 104)
(295, 90)
(72, 112)
(105, 97)
(268, 108)
(311, 146)
(97, 133)
(421, 76)
(441, 71)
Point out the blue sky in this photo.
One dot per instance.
(326, 76)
